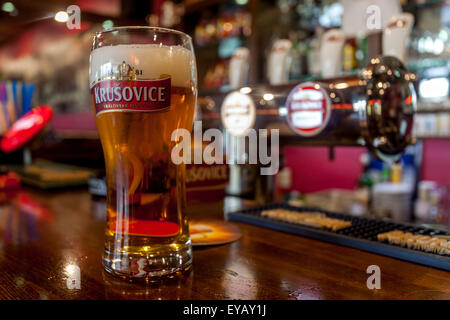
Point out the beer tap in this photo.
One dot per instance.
(373, 108)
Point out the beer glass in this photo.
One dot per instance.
(143, 84)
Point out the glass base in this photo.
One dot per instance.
(171, 262)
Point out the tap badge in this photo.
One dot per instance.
(238, 113)
(308, 109)
(122, 91)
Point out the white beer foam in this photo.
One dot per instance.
(154, 60)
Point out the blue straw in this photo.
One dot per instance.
(27, 96)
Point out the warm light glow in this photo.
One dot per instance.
(400, 23)
(8, 7)
(210, 29)
(341, 85)
(268, 96)
(227, 26)
(71, 269)
(61, 16)
(245, 90)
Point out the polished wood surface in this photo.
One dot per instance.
(38, 251)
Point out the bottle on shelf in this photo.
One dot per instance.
(349, 61)
(238, 68)
(279, 62)
(314, 53)
(331, 53)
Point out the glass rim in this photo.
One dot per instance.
(147, 28)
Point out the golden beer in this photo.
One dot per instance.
(141, 93)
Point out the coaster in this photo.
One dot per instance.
(213, 232)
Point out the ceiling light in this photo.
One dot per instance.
(246, 90)
(8, 7)
(107, 24)
(61, 16)
(268, 96)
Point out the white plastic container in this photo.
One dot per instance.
(239, 66)
(331, 53)
(392, 200)
(279, 62)
(396, 34)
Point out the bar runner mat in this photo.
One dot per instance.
(413, 243)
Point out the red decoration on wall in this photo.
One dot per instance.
(26, 128)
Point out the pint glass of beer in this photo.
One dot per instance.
(143, 84)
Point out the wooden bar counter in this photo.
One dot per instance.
(37, 252)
